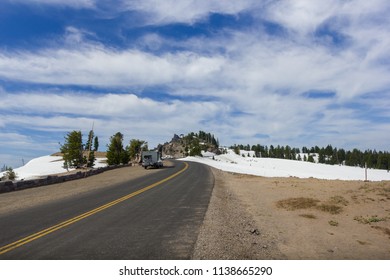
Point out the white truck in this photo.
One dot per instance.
(151, 159)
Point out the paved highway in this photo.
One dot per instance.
(153, 217)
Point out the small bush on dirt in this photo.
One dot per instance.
(308, 216)
(369, 220)
(330, 208)
(339, 200)
(297, 203)
(333, 223)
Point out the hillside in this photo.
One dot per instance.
(271, 167)
(191, 144)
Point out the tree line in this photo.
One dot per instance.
(76, 154)
(327, 155)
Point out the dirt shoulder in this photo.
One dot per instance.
(253, 217)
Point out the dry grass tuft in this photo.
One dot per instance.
(297, 203)
(330, 208)
(383, 229)
(369, 220)
(333, 223)
(338, 200)
(308, 216)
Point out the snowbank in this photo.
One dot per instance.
(270, 167)
(46, 165)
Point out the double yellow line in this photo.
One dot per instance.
(66, 223)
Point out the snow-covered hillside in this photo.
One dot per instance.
(267, 167)
(270, 167)
(46, 165)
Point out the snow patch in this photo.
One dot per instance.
(46, 165)
(271, 167)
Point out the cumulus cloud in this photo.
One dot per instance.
(245, 85)
(185, 11)
(94, 65)
(132, 115)
(64, 3)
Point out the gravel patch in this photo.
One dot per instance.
(229, 231)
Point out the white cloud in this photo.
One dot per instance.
(185, 11)
(95, 65)
(255, 85)
(65, 3)
(133, 116)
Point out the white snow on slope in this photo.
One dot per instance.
(46, 165)
(266, 167)
(270, 167)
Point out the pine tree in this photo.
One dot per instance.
(116, 154)
(72, 150)
(91, 158)
(88, 145)
(96, 144)
(135, 147)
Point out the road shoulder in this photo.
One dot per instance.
(229, 231)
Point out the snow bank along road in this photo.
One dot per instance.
(157, 216)
(271, 167)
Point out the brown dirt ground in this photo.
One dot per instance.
(253, 217)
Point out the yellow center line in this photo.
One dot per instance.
(66, 223)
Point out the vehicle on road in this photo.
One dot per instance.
(151, 159)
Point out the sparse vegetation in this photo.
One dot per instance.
(306, 203)
(339, 200)
(297, 203)
(330, 208)
(308, 216)
(369, 220)
(9, 174)
(383, 229)
(333, 223)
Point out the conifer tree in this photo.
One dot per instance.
(116, 154)
(72, 150)
(136, 147)
(96, 144)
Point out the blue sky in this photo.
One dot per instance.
(270, 72)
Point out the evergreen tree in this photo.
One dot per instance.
(195, 149)
(91, 158)
(310, 158)
(96, 144)
(72, 150)
(341, 156)
(236, 150)
(136, 146)
(321, 156)
(91, 150)
(116, 154)
(88, 145)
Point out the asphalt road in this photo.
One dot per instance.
(124, 221)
